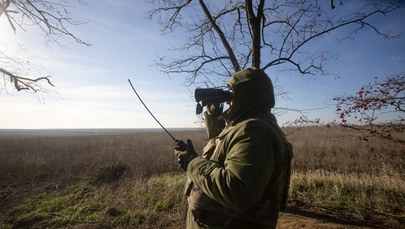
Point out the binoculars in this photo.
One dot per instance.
(205, 96)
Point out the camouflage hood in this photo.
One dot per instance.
(253, 94)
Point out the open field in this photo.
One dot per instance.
(131, 179)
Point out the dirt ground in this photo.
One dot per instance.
(294, 221)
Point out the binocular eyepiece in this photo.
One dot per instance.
(205, 96)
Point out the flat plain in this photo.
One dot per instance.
(130, 179)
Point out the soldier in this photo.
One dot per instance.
(241, 180)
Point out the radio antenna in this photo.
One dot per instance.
(174, 139)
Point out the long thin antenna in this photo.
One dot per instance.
(174, 139)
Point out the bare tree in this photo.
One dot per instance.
(53, 18)
(226, 36)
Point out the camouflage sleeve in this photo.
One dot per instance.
(240, 181)
(213, 124)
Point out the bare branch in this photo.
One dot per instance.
(49, 18)
(359, 19)
(224, 41)
(23, 83)
(193, 65)
(172, 8)
(52, 17)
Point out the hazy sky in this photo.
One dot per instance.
(91, 88)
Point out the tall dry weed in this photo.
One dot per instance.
(71, 158)
(341, 150)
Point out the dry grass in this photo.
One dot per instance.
(334, 173)
(66, 159)
(340, 150)
(338, 174)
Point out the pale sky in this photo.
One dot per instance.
(91, 88)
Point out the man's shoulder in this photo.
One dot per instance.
(262, 123)
(261, 120)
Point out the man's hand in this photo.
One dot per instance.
(185, 153)
(214, 109)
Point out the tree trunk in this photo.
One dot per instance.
(254, 22)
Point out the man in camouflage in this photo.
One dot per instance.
(241, 179)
